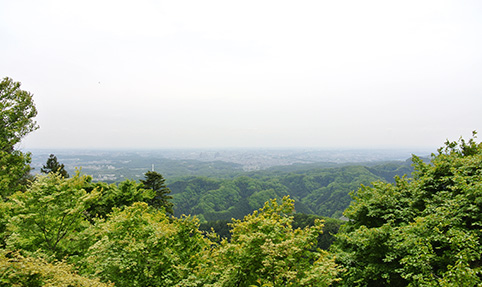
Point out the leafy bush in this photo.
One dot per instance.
(17, 270)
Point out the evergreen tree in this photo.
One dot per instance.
(155, 181)
(53, 166)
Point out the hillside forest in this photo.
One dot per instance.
(416, 223)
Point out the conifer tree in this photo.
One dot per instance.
(155, 181)
(53, 166)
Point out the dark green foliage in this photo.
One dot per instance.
(323, 192)
(155, 182)
(330, 188)
(223, 230)
(424, 231)
(223, 199)
(220, 227)
(330, 228)
(388, 171)
(52, 165)
(196, 185)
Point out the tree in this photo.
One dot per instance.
(17, 270)
(14, 172)
(17, 111)
(424, 231)
(49, 215)
(117, 196)
(154, 181)
(265, 250)
(54, 166)
(141, 246)
(330, 227)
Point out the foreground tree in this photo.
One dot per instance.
(53, 166)
(156, 182)
(142, 246)
(49, 216)
(14, 172)
(18, 270)
(265, 250)
(17, 111)
(425, 231)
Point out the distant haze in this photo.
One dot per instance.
(180, 74)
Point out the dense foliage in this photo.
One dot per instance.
(425, 231)
(138, 245)
(300, 220)
(141, 246)
(49, 215)
(265, 249)
(17, 111)
(324, 192)
(116, 195)
(17, 271)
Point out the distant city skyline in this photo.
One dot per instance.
(251, 74)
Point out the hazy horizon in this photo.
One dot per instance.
(210, 154)
(213, 149)
(252, 74)
(118, 161)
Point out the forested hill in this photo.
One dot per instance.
(321, 191)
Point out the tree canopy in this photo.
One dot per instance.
(265, 250)
(18, 270)
(420, 231)
(17, 111)
(50, 214)
(141, 246)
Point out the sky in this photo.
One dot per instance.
(257, 74)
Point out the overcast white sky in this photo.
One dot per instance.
(163, 74)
